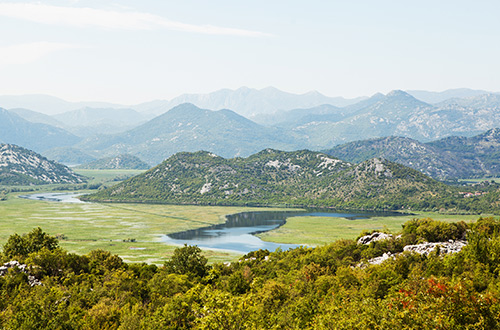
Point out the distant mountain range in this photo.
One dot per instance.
(87, 121)
(436, 97)
(119, 162)
(189, 128)
(277, 177)
(247, 102)
(89, 133)
(34, 136)
(400, 114)
(448, 158)
(49, 105)
(20, 166)
(69, 156)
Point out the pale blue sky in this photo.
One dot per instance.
(134, 51)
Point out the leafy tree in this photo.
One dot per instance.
(187, 260)
(34, 241)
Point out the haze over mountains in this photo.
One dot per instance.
(35, 136)
(189, 128)
(248, 102)
(448, 158)
(280, 120)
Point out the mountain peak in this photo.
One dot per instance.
(398, 93)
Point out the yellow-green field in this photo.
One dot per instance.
(322, 230)
(85, 227)
(133, 230)
(106, 176)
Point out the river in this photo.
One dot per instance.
(237, 234)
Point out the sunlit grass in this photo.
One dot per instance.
(130, 230)
(322, 230)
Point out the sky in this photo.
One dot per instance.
(130, 52)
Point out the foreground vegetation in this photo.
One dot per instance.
(321, 288)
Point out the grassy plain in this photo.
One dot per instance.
(316, 231)
(130, 230)
(107, 176)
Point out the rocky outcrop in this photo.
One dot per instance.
(376, 236)
(18, 267)
(20, 166)
(444, 247)
(423, 248)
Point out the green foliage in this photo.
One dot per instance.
(20, 246)
(187, 260)
(303, 288)
(433, 231)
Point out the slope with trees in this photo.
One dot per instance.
(329, 287)
(304, 177)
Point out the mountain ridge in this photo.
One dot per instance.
(448, 158)
(272, 177)
(35, 136)
(20, 166)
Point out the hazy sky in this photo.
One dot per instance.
(134, 51)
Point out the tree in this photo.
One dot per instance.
(34, 241)
(187, 260)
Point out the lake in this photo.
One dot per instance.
(238, 232)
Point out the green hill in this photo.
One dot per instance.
(189, 128)
(277, 177)
(124, 161)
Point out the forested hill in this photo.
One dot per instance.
(294, 178)
(124, 161)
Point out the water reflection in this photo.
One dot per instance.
(237, 233)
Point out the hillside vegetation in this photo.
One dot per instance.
(291, 178)
(329, 287)
(124, 161)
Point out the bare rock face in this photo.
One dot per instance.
(423, 248)
(444, 247)
(381, 259)
(377, 236)
(23, 268)
(20, 166)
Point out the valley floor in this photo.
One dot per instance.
(132, 230)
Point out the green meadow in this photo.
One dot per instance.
(322, 230)
(132, 231)
(107, 176)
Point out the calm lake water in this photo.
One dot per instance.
(237, 233)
